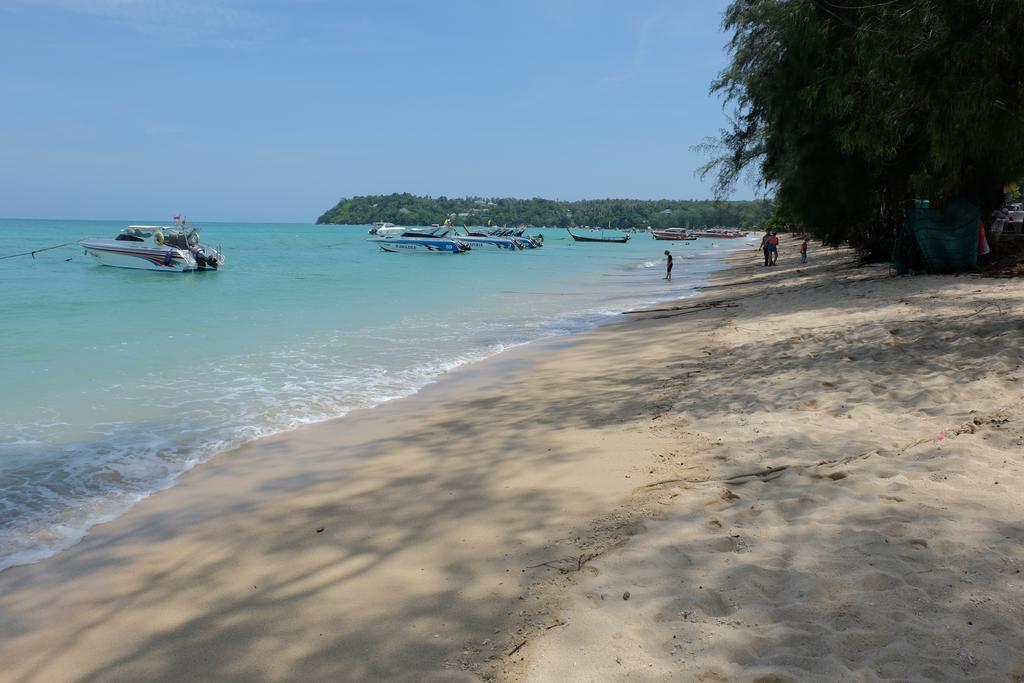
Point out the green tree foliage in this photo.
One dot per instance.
(848, 110)
(407, 209)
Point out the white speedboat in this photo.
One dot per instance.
(434, 240)
(477, 240)
(155, 247)
(392, 230)
(484, 241)
(381, 225)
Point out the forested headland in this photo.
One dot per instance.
(408, 209)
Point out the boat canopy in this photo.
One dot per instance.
(175, 237)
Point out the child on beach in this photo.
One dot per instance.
(668, 266)
(803, 251)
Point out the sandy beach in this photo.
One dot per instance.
(804, 473)
(850, 502)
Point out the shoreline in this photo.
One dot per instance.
(490, 525)
(73, 532)
(217, 497)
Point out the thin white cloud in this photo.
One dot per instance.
(235, 23)
(130, 9)
(655, 56)
(186, 20)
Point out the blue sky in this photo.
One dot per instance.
(274, 109)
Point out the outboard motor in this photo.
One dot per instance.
(205, 257)
(200, 256)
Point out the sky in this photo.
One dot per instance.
(273, 110)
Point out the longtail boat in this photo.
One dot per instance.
(611, 240)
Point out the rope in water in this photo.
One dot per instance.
(36, 251)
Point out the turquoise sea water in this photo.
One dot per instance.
(114, 381)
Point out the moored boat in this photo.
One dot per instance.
(155, 247)
(720, 233)
(519, 236)
(608, 240)
(673, 234)
(377, 227)
(485, 241)
(434, 240)
(390, 230)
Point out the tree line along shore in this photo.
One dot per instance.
(409, 209)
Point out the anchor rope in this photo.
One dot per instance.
(36, 251)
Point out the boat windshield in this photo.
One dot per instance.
(424, 232)
(181, 239)
(130, 236)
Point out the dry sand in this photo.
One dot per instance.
(853, 502)
(487, 527)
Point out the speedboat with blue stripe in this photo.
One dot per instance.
(413, 240)
(480, 240)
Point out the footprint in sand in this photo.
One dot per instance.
(675, 554)
(768, 581)
(712, 604)
(855, 645)
(722, 545)
(709, 602)
(794, 508)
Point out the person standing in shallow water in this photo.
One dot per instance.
(668, 266)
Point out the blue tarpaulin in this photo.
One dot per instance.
(946, 238)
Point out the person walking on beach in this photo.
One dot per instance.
(668, 266)
(803, 251)
(773, 248)
(764, 246)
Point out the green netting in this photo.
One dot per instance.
(944, 240)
